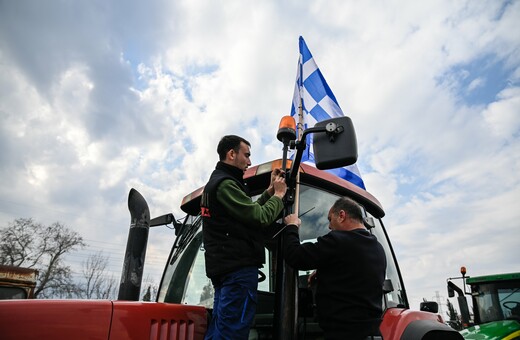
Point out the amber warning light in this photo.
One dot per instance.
(286, 129)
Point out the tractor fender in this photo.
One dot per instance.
(429, 330)
(407, 324)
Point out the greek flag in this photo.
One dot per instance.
(318, 103)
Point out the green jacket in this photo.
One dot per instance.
(234, 225)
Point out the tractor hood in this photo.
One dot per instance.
(507, 329)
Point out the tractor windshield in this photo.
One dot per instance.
(496, 301)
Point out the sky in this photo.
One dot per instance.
(98, 97)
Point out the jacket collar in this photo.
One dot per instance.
(232, 170)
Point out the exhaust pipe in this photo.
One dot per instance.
(133, 264)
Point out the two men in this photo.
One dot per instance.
(350, 261)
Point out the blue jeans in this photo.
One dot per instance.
(234, 305)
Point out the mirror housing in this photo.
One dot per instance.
(388, 287)
(161, 220)
(429, 306)
(337, 147)
(451, 291)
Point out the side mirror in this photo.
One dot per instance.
(388, 287)
(337, 147)
(429, 306)
(161, 220)
(451, 292)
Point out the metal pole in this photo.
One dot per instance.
(286, 311)
(286, 304)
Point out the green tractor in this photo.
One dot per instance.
(496, 305)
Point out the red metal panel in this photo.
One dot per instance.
(157, 321)
(91, 319)
(55, 319)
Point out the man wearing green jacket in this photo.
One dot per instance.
(233, 237)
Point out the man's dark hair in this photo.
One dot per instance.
(349, 206)
(229, 142)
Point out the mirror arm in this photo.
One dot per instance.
(161, 220)
(300, 147)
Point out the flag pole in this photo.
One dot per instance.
(286, 305)
(299, 127)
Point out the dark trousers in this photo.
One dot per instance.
(234, 305)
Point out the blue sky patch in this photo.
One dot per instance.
(479, 81)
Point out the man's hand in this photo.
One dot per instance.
(292, 219)
(277, 175)
(280, 187)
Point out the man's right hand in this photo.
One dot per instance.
(280, 187)
(292, 219)
(275, 174)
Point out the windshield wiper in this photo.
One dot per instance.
(279, 231)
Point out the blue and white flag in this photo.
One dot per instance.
(318, 103)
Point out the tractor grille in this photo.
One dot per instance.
(172, 330)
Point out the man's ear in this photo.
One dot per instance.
(342, 215)
(231, 154)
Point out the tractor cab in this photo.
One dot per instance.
(185, 281)
(496, 297)
(496, 306)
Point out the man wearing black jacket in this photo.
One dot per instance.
(233, 237)
(351, 267)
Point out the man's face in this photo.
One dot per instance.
(241, 158)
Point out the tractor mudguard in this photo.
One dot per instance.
(429, 330)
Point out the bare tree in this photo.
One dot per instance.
(151, 290)
(25, 243)
(207, 294)
(97, 284)
(148, 295)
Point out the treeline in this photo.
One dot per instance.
(26, 243)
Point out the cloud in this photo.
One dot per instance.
(502, 115)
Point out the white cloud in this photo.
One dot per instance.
(503, 116)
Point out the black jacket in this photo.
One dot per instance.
(231, 243)
(351, 269)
